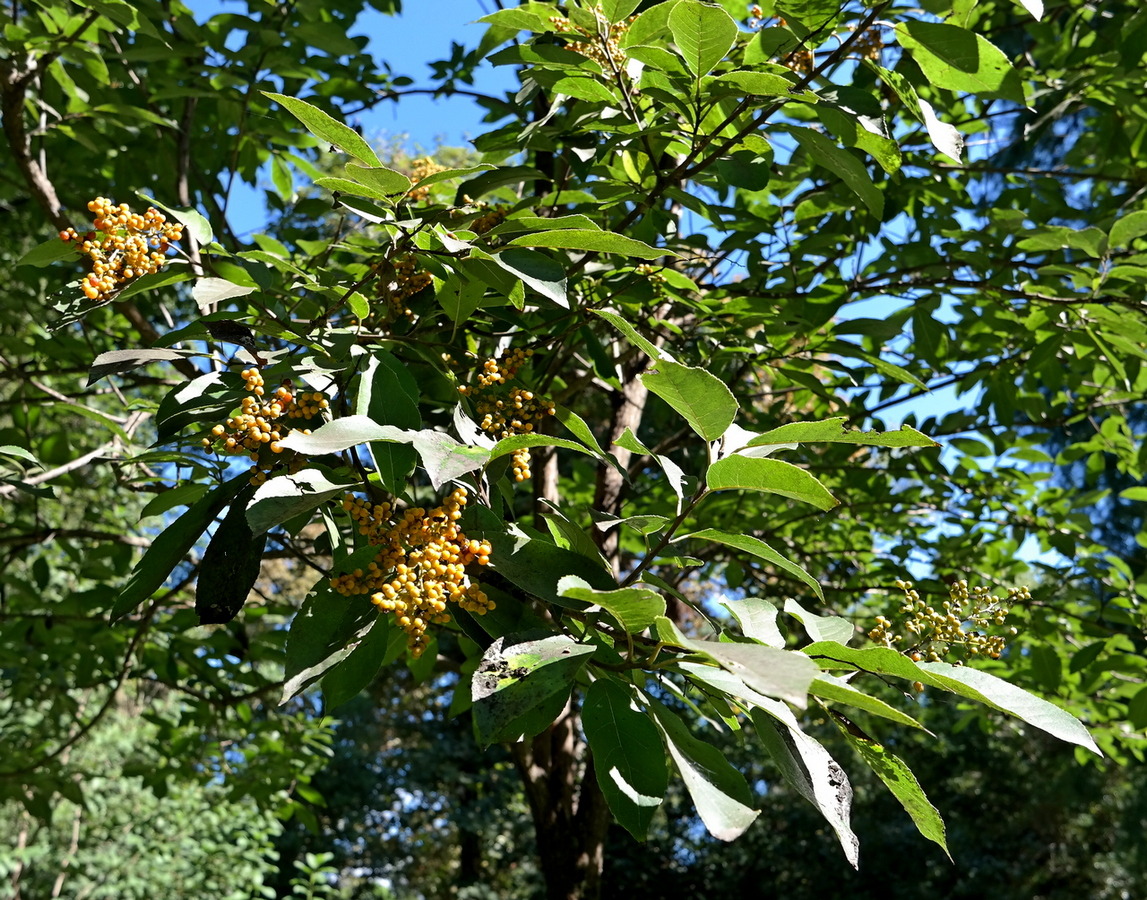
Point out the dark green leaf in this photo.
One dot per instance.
(628, 756)
(172, 545)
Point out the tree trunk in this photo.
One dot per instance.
(569, 810)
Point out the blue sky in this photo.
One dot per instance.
(409, 42)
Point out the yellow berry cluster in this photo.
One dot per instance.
(257, 429)
(603, 46)
(404, 281)
(756, 15)
(654, 275)
(868, 45)
(491, 218)
(420, 565)
(801, 61)
(960, 624)
(506, 412)
(423, 167)
(123, 245)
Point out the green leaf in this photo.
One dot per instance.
(172, 545)
(387, 182)
(18, 452)
(229, 566)
(536, 566)
(1137, 710)
(1126, 229)
(535, 270)
(388, 394)
(327, 129)
(772, 476)
(591, 240)
(957, 59)
(49, 252)
(899, 779)
(617, 10)
(761, 550)
(325, 631)
(771, 671)
(830, 687)
(762, 84)
(1035, 7)
(703, 33)
(719, 791)
(354, 673)
(821, 628)
(286, 496)
(628, 756)
(208, 292)
(447, 174)
(343, 433)
(702, 398)
(962, 680)
(355, 188)
(197, 226)
(511, 684)
(809, 768)
(635, 608)
(832, 431)
(825, 152)
(115, 361)
(758, 620)
(648, 348)
(515, 442)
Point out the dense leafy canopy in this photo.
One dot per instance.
(619, 433)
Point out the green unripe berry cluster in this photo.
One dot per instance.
(961, 624)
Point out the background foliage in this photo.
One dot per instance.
(716, 215)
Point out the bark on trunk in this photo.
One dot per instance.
(569, 811)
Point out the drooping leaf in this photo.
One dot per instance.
(809, 768)
(229, 566)
(719, 791)
(354, 673)
(825, 152)
(628, 756)
(646, 346)
(831, 687)
(172, 544)
(388, 394)
(961, 680)
(898, 778)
